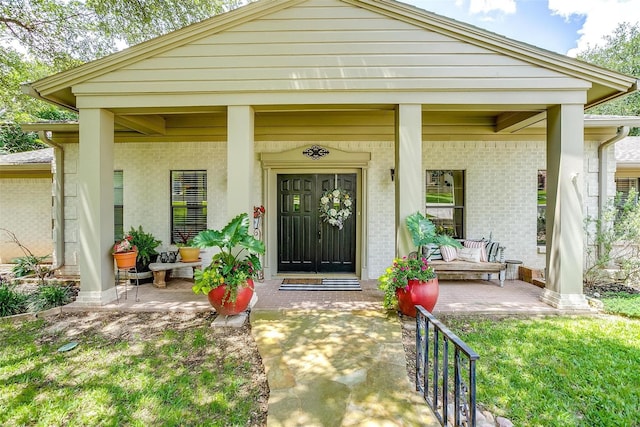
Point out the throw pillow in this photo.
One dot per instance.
(469, 254)
(449, 253)
(477, 244)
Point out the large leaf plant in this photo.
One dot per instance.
(237, 259)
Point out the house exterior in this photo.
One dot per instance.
(26, 203)
(278, 102)
(627, 155)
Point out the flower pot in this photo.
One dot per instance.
(188, 254)
(125, 259)
(418, 293)
(217, 299)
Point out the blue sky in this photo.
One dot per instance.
(563, 26)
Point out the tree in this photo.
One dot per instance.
(41, 37)
(621, 52)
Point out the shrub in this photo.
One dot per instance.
(11, 301)
(613, 241)
(49, 296)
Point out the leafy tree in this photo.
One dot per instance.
(621, 52)
(14, 140)
(42, 37)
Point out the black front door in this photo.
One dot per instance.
(305, 242)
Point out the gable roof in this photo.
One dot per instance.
(605, 84)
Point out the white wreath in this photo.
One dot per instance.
(335, 207)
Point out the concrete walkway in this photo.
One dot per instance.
(336, 368)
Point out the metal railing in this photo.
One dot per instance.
(433, 365)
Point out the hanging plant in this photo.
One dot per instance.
(335, 207)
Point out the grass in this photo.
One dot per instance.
(174, 377)
(568, 371)
(622, 303)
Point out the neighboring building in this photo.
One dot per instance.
(276, 102)
(25, 203)
(628, 165)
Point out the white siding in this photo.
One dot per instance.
(325, 45)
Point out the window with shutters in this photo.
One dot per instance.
(624, 186)
(188, 204)
(445, 201)
(118, 204)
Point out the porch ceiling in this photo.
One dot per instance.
(331, 123)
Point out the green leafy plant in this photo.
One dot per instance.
(146, 244)
(613, 241)
(398, 275)
(11, 301)
(236, 261)
(424, 234)
(49, 296)
(29, 263)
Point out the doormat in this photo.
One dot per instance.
(292, 284)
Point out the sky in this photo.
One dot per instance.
(563, 26)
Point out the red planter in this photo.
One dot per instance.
(418, 293)
(126, 259)
(227, 308)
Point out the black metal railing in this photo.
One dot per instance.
(433, 366)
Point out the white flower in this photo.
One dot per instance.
(336, 193)
(324, 200)
(347, 203)
(333, 212)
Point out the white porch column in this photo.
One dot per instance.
(95, 207)
(409, 174)
(240, 160)
(565, 235)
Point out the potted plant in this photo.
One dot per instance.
(125, 253)
(188, 250)
(228, 280)
(410, 281)
(425, 236)
(146, 245)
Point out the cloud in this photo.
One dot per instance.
(601, 18)
(486, 6)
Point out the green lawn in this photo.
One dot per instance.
(622, 303)
(128, 370)
(557, 371)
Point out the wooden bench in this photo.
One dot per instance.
(160, 269)
(496, 264)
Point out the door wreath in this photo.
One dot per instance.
(335, 207)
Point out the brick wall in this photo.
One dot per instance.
(501, 189)
(25, 210)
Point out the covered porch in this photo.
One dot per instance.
(457, 297)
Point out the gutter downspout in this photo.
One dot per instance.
(58, 200)
(603, 162)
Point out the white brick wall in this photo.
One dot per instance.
(25, 210)
(501, 188)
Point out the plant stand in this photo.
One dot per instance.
(129, 273)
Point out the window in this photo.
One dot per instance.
(118, 203)
(445, 201)
(188, 204)
(542, 208)
(624, 186)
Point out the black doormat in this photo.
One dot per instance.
(300, 284)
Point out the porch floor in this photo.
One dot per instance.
(456, 297)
